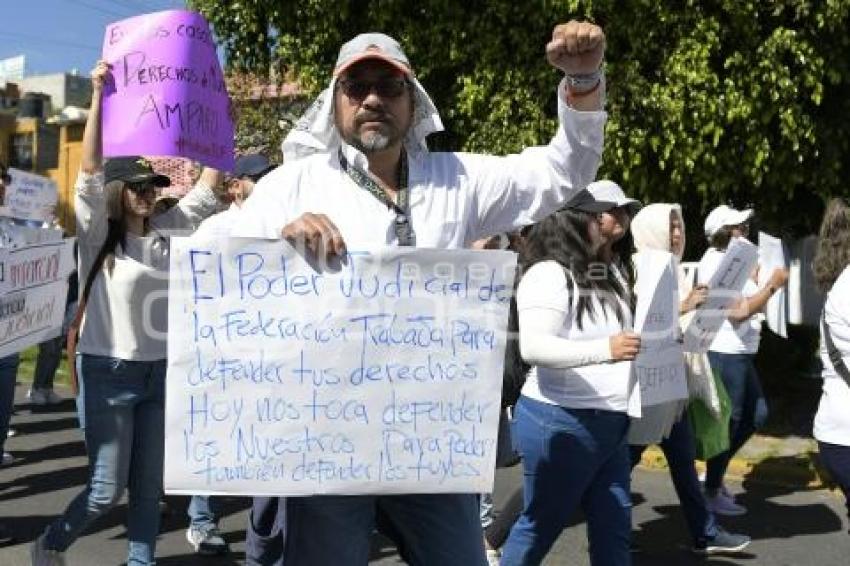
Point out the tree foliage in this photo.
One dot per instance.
(710, 101)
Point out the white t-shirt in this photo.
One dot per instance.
(832, 421)
(455, 198)
(127, 312)
(733, 337)
(589, 383)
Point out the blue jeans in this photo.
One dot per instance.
(571, 458)
(8, 376)
(432, 529)
(124, 424)
(679, 450)
(749, 409)
(203, 512)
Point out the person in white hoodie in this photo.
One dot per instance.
(831, 267)
(661, 227)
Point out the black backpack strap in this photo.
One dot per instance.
(833, 352)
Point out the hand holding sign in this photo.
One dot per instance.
(624, 346)
(100, 75)
(317, 232)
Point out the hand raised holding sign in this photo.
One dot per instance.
(319, 234)
(100, 75)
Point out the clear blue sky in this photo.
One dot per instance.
(60, 35)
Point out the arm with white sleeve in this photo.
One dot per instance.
(198, 204)
(89, 198)
(516, 190)
(544, 303)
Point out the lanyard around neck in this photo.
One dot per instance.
(403, 228)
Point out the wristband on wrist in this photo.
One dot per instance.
(571, 96)
(584, 83)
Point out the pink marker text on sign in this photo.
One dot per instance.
(169, 95)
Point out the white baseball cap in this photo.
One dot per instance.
(610, 192)
(372, 46)
(725, 215)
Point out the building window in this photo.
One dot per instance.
(21, 151)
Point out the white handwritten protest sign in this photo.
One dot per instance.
(724, 289)
(774, 255)
(33, 288)
(30, 197)
(660, 365)
(168, 95)
(381, 375)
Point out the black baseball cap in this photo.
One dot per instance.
(251, 165)
(133, 169)
(584, 201)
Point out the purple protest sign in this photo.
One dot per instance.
(169, 96)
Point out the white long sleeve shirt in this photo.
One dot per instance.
(455, 198)
(127, 312)
(571, 365)
(832, 421)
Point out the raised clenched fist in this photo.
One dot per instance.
(576, 48)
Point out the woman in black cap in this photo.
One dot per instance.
(570, 421)
(124, 258)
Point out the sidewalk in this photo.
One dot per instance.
(790, 461)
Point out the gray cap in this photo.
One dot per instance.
(372, 46)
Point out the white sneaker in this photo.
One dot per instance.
(722, 504)
(207, 541)
(42, 556)
(6, 459)
(493, 557)
(37, 396)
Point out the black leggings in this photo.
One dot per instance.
(836, 459)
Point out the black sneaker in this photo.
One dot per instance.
(724, 543)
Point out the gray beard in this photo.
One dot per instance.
(372, 142)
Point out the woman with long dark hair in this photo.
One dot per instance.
(832, 274)
(124, 257)
(570, 421)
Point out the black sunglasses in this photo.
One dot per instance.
(142, 187)
(388, 87)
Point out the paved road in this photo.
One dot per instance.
(790, 526)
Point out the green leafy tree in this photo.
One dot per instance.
(709, 101)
